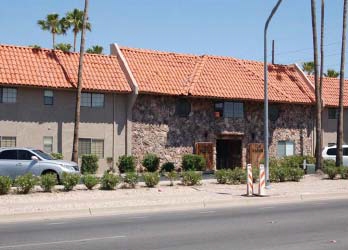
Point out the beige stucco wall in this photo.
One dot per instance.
(30, 120)
(330, 128)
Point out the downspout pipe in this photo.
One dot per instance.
(266, 138)
(115, 50)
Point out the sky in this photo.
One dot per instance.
(215, 27)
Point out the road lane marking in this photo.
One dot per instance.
(207, 212)
(61, 242)
(57, 223)
(139, 217)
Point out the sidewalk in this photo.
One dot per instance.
(82, 202)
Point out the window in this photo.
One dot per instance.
(273, 112)
(333, 113)
(230, 109)
(93, 100)
(286, 148)
(183, 108)
(24, 155)
(91, 146)
(331, 151)
(8, 95)
(8, 155)
(48, 97)
(7, 141)
(48, 144)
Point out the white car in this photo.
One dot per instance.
(329, 153)
(19, 161)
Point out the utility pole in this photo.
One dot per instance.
(266, 94)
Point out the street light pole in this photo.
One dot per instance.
(266, 94)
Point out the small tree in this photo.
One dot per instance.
(65, 47)
(95, 50)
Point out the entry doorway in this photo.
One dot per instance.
(228, 153)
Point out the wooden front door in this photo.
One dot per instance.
(256, 153)
(207, 151)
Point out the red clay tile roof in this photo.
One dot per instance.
(56, 69)
(215, 77)
(330, 94)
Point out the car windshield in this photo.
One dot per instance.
(43, 155)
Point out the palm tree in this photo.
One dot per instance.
(74, 19)
(95, 50)
(317, 87)
(53, 24)
(75, 151)
(65, 47)
(339, 155)
(308, 67)
(332, 73)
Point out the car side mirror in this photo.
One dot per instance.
(34, 158)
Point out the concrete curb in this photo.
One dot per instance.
(236, 201)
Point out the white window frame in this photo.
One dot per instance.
(8, 137)
(8, 95)
(286, 150)
(92, 147)
(45, 139)
(48, 97)
(92, 100)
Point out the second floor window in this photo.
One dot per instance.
(230, 109)
(183, 108)
(48, 97)
(8, 95)
(93, 100)
(333, 113)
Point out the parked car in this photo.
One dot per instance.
(329, 153)
(19, 161)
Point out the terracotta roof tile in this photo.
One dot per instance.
(215, 77)
(56, 69)
(330, 94)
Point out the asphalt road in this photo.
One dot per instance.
(313, 225)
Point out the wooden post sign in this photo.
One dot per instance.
(206, 149)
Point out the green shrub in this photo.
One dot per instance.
(25, 183)
(329, 163)
(191, 178)
(57, 156)
(90, 181)
(5, 184)
(273, 174)
(167, 167)
(126, 164)
(192, 162)
(151, 162)
(344, 172)
(109, 181)
(222, 176)
(131, 179)
(295, 174)
(151, 179)
(331, 171)
(239, 176)
(89, 164)
(69, 181)
(48, 181)
(172, 176)
(283, 173)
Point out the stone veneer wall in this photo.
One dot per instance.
(156, 128)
